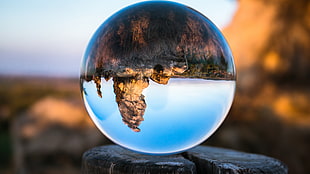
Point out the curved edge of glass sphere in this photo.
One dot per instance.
(159, 153)
(158, 42)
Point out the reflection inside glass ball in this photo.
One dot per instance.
(158, 77)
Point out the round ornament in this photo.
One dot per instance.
(158, 77)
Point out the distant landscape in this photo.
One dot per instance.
(44, 127)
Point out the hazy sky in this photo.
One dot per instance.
(44, 37)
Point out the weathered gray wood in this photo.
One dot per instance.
(114, 159)
(219, 160)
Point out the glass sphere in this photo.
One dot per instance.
(158, 77)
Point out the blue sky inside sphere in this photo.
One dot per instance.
(48, 38)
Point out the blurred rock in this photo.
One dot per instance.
(52, 135)
(270, 41)
(271, 44)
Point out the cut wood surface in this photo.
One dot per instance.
(114, 159)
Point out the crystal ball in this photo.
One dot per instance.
(158, 77)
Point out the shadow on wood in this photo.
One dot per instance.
(114, 159)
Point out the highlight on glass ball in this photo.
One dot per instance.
(158, 77)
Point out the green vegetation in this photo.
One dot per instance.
(5, 147)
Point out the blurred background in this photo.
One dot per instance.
(44, 127)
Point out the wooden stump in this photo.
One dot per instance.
(113, 159)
